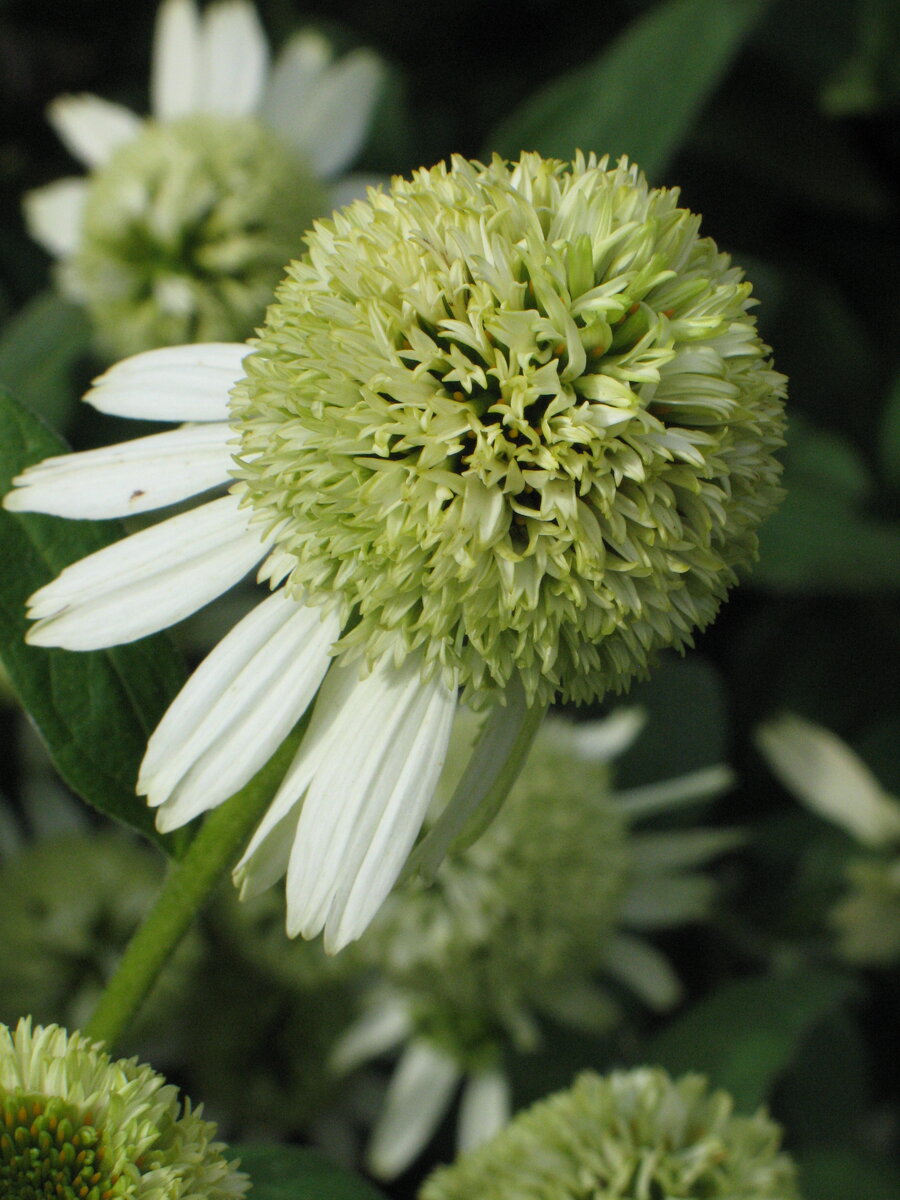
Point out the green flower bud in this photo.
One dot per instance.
(517, 416)
(76, 1124)
(186, 231)
(633, 1135)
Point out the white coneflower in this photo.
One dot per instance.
(629, 1135)
(507, 428)
(831, 780)
(528, 922)
(183, 225)
(77, 1124)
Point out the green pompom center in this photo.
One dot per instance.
(49, 1149)
(187, 230)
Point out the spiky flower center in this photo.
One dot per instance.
(186, 232)
(50, 1149)
(516, 415)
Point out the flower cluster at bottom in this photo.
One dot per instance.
(633, 1135)
(79, 1125)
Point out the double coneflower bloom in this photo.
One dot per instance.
(507, 431)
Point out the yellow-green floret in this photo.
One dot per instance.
(517, 415)
(76, 1124)
(633, 1135)
(186, 232)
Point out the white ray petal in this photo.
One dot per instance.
(648, 973)
(234, 59)
(297, 71)
(602, 741)
(485, 1109)
(381, 1028)
(237, 708)
(669, 794)
(675, 850)
(174, 383)
(832, 780)
(90, 128)
(418, 1095)
(330, 128)
(366, 801)
(53, 215)
(175, 74)
(147, 581)
(130, 477)
(662, 901)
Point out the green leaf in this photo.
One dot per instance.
(821, 539)
(745, 1034)
(38, 350)
(94, 710)
(890, 435)
(296, 1173)
(840, 1173)
(641, 95)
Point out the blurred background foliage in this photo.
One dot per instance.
(779, 123)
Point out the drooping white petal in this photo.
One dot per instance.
(418, 1095)
(127, 478)
(663, 901)
(485, 1109)
(668, 794)
(367, 799)
(679, 849)
(234, 59)
(90, 128)
(147, 581)
(174, 383)
(237, 708)
(331, 126)
(53, 215)
(382, 1027)
(297, 71)
(175, 73)
(602, 741)
(823, 772)
(648, 973)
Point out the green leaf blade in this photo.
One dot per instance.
(641, 95)
(298, 1173)
(94, 710)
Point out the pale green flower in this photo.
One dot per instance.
(79, 1125)
(507, 428)
(632, 1135)
(186, 220)
(528, 922)
(831, 780)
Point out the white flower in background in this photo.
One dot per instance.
(185, 221)
(530, 921)
(486, 440)
(831, 780)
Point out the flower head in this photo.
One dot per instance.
(517, 416)
(523, 925)
(183, 227)
(80, 1125)
(508, 427)
(627, 1136)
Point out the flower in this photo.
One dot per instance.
(627, 1136)
(183, 226)
(77, 1123)
(518, 926)
(507, 428)
(825, 775)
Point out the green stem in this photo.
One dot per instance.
(213, 850)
